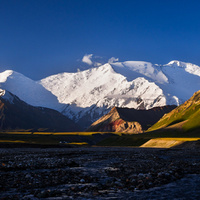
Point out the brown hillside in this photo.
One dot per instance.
(129, 120)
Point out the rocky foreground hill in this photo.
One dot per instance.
(129, 120)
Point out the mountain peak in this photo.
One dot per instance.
(28, 90)
(106, 68)
(176, 62)
(4, 75)
(188, 67)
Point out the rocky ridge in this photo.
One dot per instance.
(129, 120)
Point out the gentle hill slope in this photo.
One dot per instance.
(185, 117)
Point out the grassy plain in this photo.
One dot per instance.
(54, 138)
(96, 138)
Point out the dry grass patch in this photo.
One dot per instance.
(166, 142)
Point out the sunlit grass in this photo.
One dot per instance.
(42, 133)
(12, 141)
(21, 133)
(189, 116)
(78, 143)
(180, 139)
(167, 142)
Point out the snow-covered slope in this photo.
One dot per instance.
(87, 95)
(132, 84)
(133, 69)
(93, 92)
(28, 90)
(184, 79)
(176, 79)
(98, 86)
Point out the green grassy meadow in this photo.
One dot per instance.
(185, 117)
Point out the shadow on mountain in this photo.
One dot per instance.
(15, 114)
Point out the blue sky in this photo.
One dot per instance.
(43, 37)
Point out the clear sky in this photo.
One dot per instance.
(39, 38)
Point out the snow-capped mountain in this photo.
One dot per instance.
(176, 79)
(131, 84)
(28, 90)
(85, 96)
(92, 92)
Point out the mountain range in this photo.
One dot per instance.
(85, 96)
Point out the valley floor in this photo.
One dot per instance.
(99, 173)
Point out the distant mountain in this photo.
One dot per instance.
(185, 117)
(15, 114)
(87, 95)
(129, 120)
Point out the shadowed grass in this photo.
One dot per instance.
(55, 138)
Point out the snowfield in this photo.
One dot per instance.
(85, 96)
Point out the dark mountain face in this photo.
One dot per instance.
(142, 119)
(15, 114)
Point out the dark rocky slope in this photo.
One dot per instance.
(15, 114)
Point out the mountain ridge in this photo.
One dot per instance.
(85, 96)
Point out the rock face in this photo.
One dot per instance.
(185, 117)
(129, 120)
(15, 114)
(120, 125)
